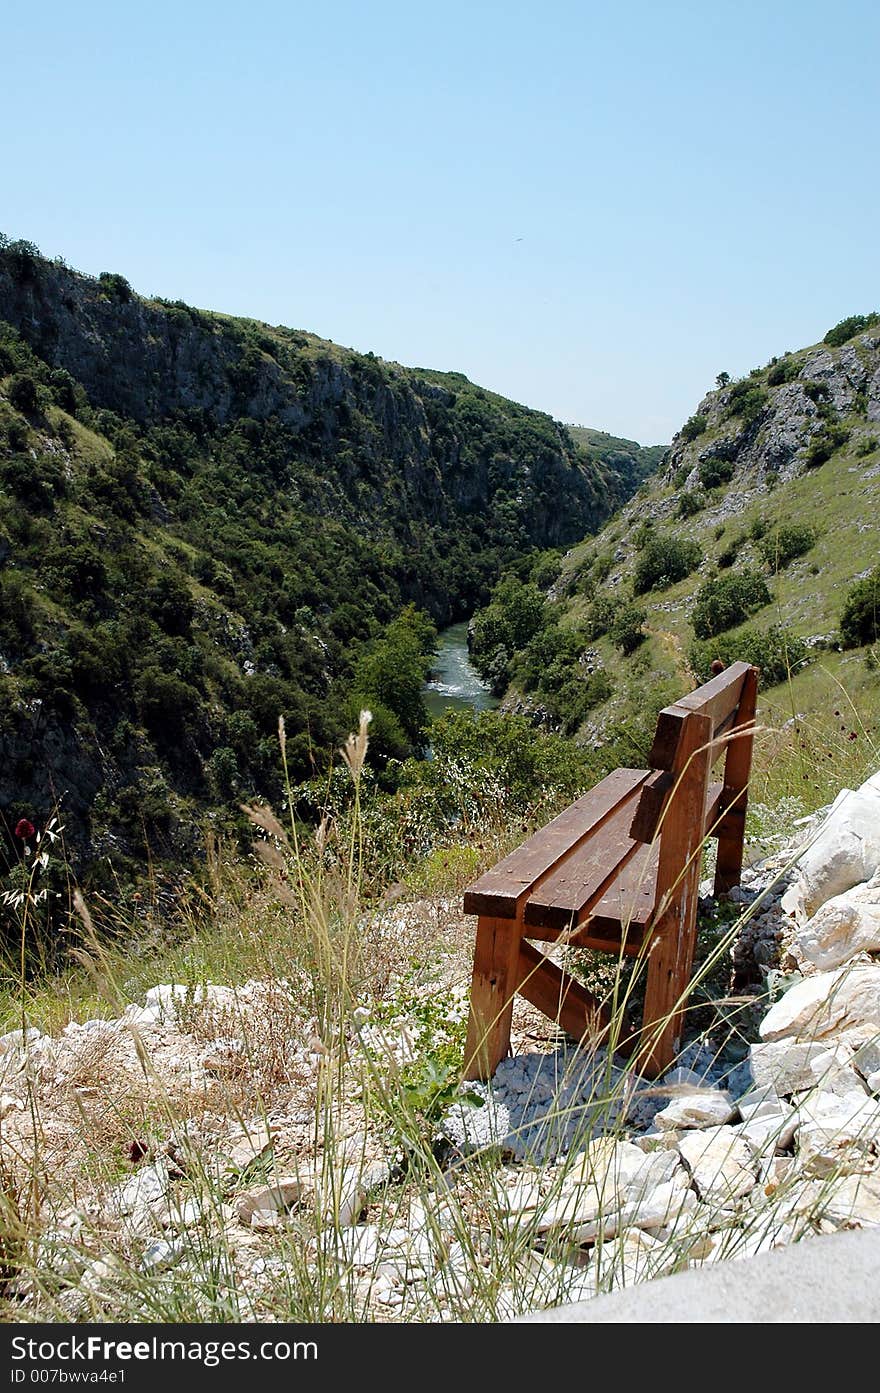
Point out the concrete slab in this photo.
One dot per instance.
(833, 1279)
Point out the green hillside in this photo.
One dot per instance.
(206, 523)
(748, 542)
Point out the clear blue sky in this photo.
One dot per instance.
(592, 208)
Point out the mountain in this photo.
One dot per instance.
(757, 538)
(206, 522)
(632, 461)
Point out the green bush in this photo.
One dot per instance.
(690, 503)
(786, 370)
(860, 616)
(627, 628)
(600, 615)
(22, 393)
(665, 559)
(746, 400)
(715, 471)
(783, 543)
(693, 427)
(847, 329)
(776, 651)
(823, 445)
(728, 600)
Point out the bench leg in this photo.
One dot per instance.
(669, 970)
(493, 986)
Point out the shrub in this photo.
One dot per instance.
(22, 393)
(782, 544)
(626, 631)
(786, 370)
(746, 400)
(847, 329)
(728, 600)
(860, 616)
(823, 445)
(690, 503)
(715, 471)
(600, 616)
(776, 651)
(693, 427)
(665, 559)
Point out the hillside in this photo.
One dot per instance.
(748, 542)
(209, 522)
(632, 461)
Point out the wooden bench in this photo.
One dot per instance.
(618, 871)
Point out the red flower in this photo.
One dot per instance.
(25, 830)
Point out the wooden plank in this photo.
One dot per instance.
(737, 773)
(501, 891)
(647, 822)
(559, 995)
(674, 933)
(493, 986)
(566, 896)
(718, 699)
(630, 901)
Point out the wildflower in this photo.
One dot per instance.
(24, 829)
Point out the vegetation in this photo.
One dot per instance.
(185, 558)
(664, 559)
(726, 601)
(860, 616)
(848, 328)
(782, 543)
(777, 651)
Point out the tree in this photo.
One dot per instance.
(22, 393)
(394, 670)
(722, 380)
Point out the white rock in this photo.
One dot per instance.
(828, 1003)
(838, 1134)
(784, 1065)
(277, 1198)
(143, 1189)
(844, 852)
(853, 1200)
(833, 1071)
(342, 1194)
(759, 1102)
(843, 926)
(721, 1163)
(17, 1039)
(708, 1108)
(161, 1253)
(9, 1103)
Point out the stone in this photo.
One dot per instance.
(770, 1132)
(343, 1194)
(143, 1189)
(161, 1253)
(843, 926)
(833, 1071)
(784, 1065)
(9, 1103)
(826, 1004)
(838, 1134)
(853, 1201)
(844, 852)
(277, 1198)
(721, 1164)
(708, 1108)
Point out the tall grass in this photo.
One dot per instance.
(341, 966)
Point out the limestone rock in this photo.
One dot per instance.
(709, 1108)
(843, 926)
(826, 1004)
(277, 1198)
(144, 1188)
(721, 1163)
(784, 1065)
(844, 852)
(838, 1135)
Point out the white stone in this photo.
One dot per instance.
(827, 1003)
(853, 1200)
(277, 1198)
(844, 852)
(721, 1163)
(784, 1065)
(708, 1108)
(843, 926)
(833, 1071)
(771, 1133)
(9, 1103)
(144, 1188)
(838, 1134)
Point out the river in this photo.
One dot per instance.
(454, 684)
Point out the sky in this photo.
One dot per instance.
(591, 208)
